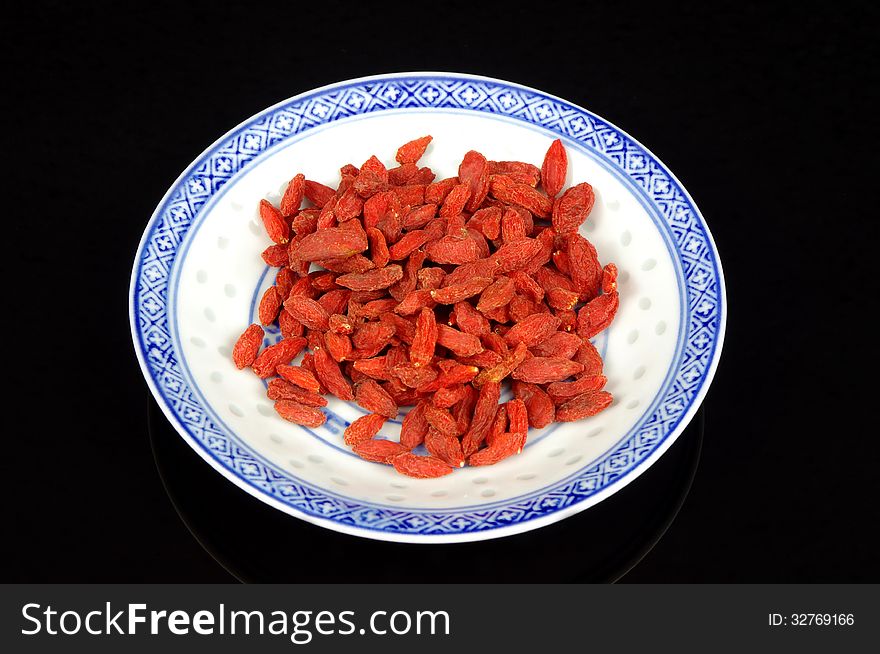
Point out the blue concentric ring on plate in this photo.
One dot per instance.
(684, 230)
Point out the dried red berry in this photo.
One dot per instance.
(282, 352)
(328, 373)
(247, 346)
(445, 447)
(542, 370)
(306, 416)
(584, 406)
(420, 467)
(308, 312)
(505, 445)
(474, 173)
(425, 338)
(572, 208)
(372, 397)
(270, 304)
(363, 429)
(300, 377)
(378, 450)
(293, 196)
(281, 390)
(441, 420)
(554, 169)
(414, 427)
(597, 314)
(276, 227)
(411, 152)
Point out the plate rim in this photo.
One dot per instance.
(464, 536)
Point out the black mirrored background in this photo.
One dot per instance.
(258, 543)
(764, 111)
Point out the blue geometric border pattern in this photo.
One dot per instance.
(174, 217)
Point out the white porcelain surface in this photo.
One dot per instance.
(213, 275)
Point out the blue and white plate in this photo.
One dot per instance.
(198, 273)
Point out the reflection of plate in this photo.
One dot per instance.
(596, 546)
(198, 269)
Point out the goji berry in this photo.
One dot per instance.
(376, 308)
(372, 280)
(414, 427)
(412, 151)
(275, 255)
(517, 416)
(379, 253)
(458, 342)
(505, 445)
(543, 370)
(307, 311)
(331, 243)
(474, 173)
(276, 227)
(305, 222)
(453, 250)
(420, 467)
(586, 272)
(533, 330)
(609, 278)
(459, 292)
(515, 167)
(363, 429)
(513, 192)
(571, 209)
(372, 397)
(515, 255)
(338, 345)
(484, 412)
(306, 416)
(449, 396)
(597, 314)
(378, 450)
(436, 192)
(281, 390)
(554, 169)
(270, 303)
(496, 295)
(539, 406)
(402, 174)
(430, 278)
(441, 420)
(299, 376)
(463, 411)
(418, 217)
(328, 373)
(290, 327)
(414, 376)
(583, 384)
(469, 320)
(509, 362)
(282, 352)
(317, 193)
(293, 195)
(247, 346)
(445, 447)
(498, 426)
(583, 406)
(372, 337)
(425, 338)
(558, 344)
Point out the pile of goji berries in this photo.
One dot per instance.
(431, 294)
